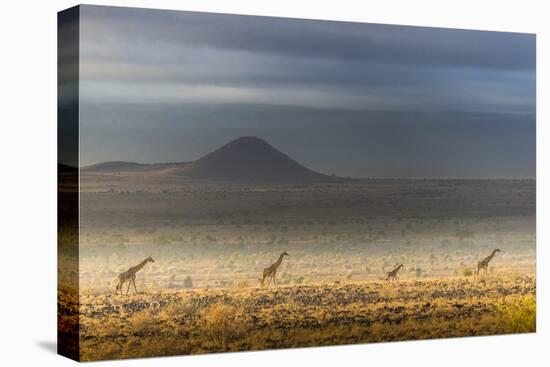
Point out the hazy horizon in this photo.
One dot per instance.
(351, 99)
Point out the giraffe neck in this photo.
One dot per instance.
(139, 266)
(278, 262)
(490, 257)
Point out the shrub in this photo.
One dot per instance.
(143, 322)
(467, 272)
(224, 323)
(188, 282)
(520, 316)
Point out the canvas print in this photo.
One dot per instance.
(239, 183)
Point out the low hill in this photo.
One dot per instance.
(251, 159)
(246, 159)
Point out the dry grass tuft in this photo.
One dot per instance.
(223, 323)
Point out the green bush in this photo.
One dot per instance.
(520, 316)
(188, 282)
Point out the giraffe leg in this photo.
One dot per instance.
(134, 283)
(274, 282)
(128, 289)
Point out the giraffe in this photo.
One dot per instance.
(130, 276)
(393, 274)
(271, 271)
(484, 264)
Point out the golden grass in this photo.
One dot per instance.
(520, 314)
(202, 321)
(223, 323)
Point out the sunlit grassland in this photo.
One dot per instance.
(202, 321)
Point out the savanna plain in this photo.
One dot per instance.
(210, 244)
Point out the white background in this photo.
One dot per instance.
(28, 182)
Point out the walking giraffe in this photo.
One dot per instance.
(130, 276)
(393, 274)
(271, 271)
(484, 264)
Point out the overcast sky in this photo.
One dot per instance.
(346, 98)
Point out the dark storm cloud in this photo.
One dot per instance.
(183, 83)
(377, 43)
(129, 53)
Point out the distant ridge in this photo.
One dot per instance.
(122, 166)
(246, 159)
